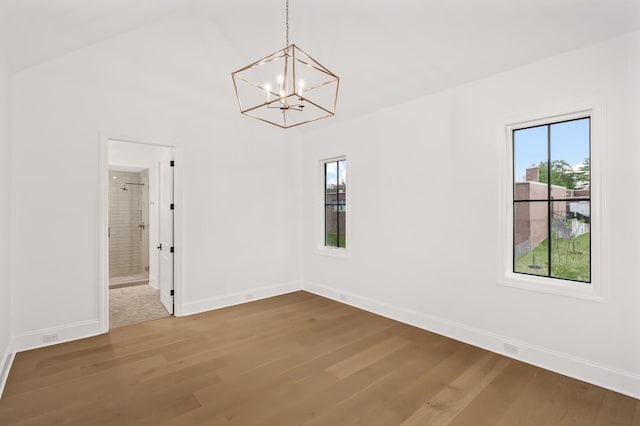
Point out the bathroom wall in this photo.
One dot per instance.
(127, 249)
(144, 206)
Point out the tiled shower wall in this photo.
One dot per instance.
(128, 243)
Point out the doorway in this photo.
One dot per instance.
(128, 227)
(138, 213)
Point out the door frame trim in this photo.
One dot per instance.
(103, 260)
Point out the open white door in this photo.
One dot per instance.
(166, 235)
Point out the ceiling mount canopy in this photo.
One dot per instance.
(287, 88)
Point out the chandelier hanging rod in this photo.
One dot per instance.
(287, 25)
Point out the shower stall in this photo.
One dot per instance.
(128, 227)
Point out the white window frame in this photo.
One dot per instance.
(596, 290)
(321, 248)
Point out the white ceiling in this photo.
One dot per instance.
(385, 51)
(34, 31)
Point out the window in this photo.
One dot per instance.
(335, 203)
(552, 200)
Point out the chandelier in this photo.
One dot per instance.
(287, 88)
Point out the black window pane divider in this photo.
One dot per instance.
(337, 207)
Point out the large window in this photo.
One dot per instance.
(552, 200)
(335, 203)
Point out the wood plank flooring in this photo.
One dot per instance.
(292, 360)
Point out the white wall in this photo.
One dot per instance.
(425, 180)
(238, 214)
(5, 179)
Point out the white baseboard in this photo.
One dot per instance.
(249, 295)
(605, 376)
(65, 333)
(8, 355)
(153, 282)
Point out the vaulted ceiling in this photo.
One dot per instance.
(385, 51)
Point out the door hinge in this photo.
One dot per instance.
(171, 249)
(172, 163)
(172, 292)
(172, 206)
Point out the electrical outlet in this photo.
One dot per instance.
(249, 296)
(512, 349)
(342, 297)
(51, 337)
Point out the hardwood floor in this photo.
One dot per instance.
(289, 360)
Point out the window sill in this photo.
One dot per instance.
(559, 287)
(342, 253)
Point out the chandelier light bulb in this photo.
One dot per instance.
(280, 88)
(267, 88)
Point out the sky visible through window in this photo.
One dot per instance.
(569, 142)
(331, 172)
